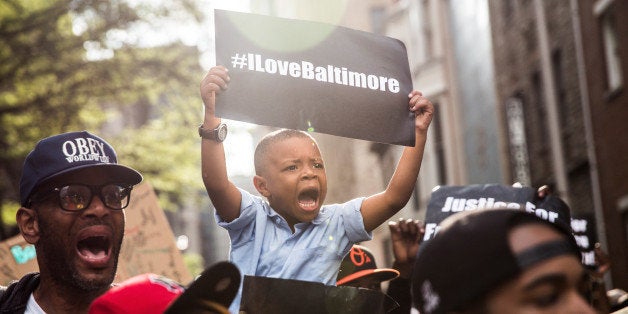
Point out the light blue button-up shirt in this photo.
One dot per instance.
(262, 243)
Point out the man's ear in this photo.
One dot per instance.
(26, 219)
(261, 186)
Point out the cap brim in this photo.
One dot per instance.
(378, 274)
(116, 173)
(212, 292)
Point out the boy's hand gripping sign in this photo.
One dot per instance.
(314, 77)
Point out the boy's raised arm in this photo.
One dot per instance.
(223, 194)
(378, 208)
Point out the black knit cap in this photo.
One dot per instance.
(471, 255)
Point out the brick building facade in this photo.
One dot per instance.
(550, 76)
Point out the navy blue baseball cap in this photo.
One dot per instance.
(68, 152)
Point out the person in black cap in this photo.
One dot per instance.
(210, 293)
(359, 269)
(72, 195)
(406, 236)
(500, 261)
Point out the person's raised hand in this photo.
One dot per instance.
(406, 236)
(602, 261)
(423, 110)
(215, 81)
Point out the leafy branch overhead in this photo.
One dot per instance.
(63, 67)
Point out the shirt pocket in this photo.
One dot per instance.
(318, 264)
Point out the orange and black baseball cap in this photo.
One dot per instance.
(360, 263)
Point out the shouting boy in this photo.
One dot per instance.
(292, 235)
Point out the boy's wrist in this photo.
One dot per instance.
(217, 134)
(210, 122)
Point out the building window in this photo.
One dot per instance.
(559, 80)
(439, 144)
(622, 206)
(507, 9)
(426, 27)
(517, 140)
(538, 145)
(614, 76)
(561, 96)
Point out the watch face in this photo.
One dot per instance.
(222, 132)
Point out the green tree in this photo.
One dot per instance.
(144, 100)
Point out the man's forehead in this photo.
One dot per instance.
(529, 235)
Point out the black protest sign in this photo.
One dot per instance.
(583, 227)
(275, 295)
(314, 77)
(448, 200)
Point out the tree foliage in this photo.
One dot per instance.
(143, 100)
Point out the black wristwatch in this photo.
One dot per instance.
(218, 134)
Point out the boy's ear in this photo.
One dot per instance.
(261, 186)
(26, 219)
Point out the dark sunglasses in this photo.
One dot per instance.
(76, 197)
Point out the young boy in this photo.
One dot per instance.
(293, 236)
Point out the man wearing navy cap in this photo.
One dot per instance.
(72, 194)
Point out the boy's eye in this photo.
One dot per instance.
(318, 165)
(291, 167)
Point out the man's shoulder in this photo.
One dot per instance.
(19, 289)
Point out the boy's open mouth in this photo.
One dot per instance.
(308, 199)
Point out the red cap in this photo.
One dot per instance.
(146, 293)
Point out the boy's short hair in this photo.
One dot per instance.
(263, 148)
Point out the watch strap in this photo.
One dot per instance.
(212, 134)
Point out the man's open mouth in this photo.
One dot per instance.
(94, 247)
